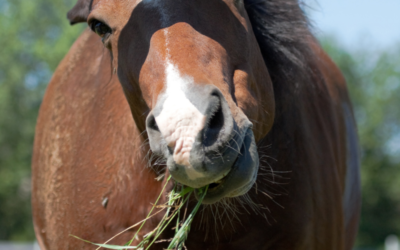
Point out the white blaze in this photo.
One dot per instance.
(179, 121)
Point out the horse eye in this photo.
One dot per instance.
(100, 28)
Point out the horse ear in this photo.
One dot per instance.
(80, 12)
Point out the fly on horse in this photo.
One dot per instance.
(234, 94)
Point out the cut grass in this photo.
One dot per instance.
(176, 200)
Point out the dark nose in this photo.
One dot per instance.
(190, 130)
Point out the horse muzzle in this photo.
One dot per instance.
(194, 130)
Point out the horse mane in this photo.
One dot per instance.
(283, 34)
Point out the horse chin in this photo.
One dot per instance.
(241, 176)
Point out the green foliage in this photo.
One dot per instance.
(35, 35)
(373, 78)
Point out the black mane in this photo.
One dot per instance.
(283, 33)
(285, 39)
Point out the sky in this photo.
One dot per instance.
(357, 22)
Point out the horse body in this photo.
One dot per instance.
(82, 169)
(90, 175)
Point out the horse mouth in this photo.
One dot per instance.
(240, 178)
(214, 186)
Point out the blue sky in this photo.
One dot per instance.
(358, 22)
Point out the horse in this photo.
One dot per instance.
(234, 94)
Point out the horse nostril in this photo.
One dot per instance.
(155, 137)
(215, 122)
(152, 124)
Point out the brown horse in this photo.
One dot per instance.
(236, 94)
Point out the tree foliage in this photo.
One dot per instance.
(35, 37)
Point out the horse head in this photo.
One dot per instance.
(195, 80)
